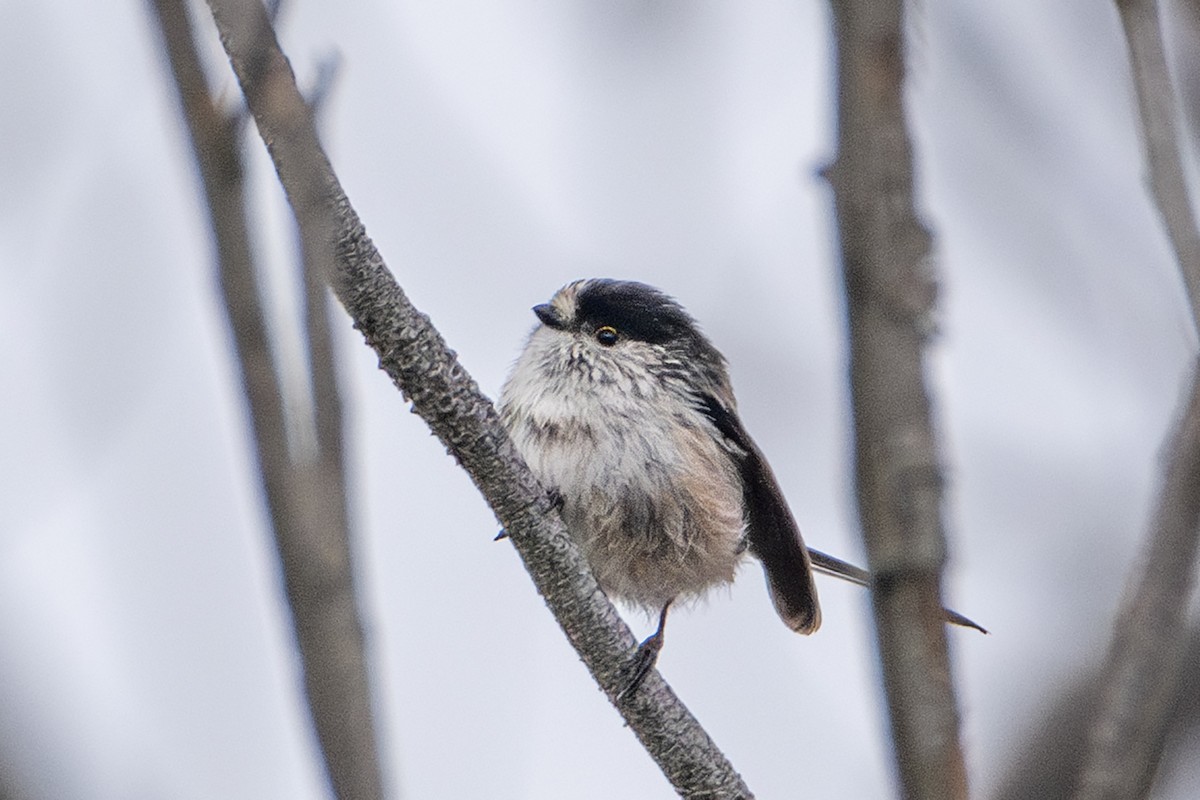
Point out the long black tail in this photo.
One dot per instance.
(829, 565)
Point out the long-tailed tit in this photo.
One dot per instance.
(623, 410)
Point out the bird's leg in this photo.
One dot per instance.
(645, 657)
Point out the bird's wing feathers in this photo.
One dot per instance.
(775, 539)
(773, 535)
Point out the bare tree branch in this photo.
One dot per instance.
(1052, 754)
(1145, 657)
(327, 399)
(1186, 66)
(1140, 675)
(1179, 747)
(322, 85)
(318, 562)
(1158, 110)
(413, 353)
(890, 296)
(305, 492)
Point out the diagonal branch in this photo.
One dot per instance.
(1145, 657)
(890, 295)
(305, 495)
(1143, 667)
(1158, 111)
(414, 355)
(1053, 751)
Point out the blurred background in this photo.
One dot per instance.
(494, 152)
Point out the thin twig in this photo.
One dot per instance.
(328, 69)
(890, 296)
(305, 495)
(326, 395)
(413, 353)
(1142, 668)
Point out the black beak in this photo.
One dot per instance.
(549, 316)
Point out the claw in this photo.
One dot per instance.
(644, 658)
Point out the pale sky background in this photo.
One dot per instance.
(496, 151)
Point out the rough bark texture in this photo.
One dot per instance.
(890, 293)
(414, 355)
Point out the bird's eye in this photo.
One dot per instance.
(606, 335)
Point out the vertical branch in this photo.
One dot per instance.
(327, 398)
(330, 632)
(1158, 109)
(1142, 669)
(417, 359)
(316, 254)
(305, 496)
(890, 296)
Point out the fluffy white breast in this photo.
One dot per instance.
(647, 489)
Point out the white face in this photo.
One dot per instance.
(605, 406)
(622, 345)
(566, 300)
(596, 336)
(566, 372)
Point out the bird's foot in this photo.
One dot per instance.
(639, 666)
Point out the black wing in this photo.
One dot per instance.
(773, 535)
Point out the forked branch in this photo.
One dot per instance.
(415, 356)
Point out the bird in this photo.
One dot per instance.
(624, 411)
